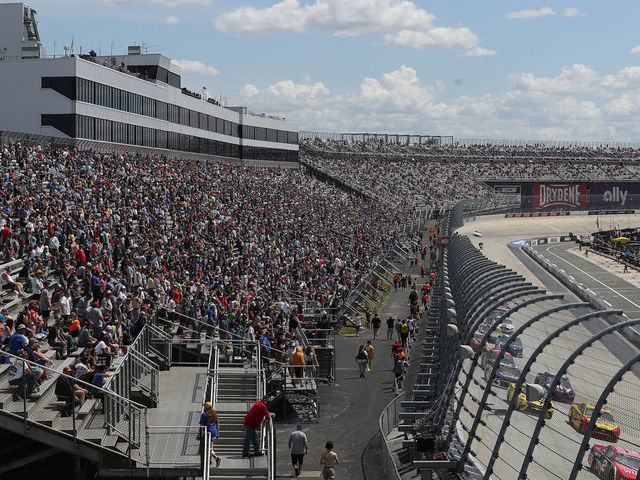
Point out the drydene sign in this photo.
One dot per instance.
(550, 196)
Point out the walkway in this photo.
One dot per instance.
(350, 410)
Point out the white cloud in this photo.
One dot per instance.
(478, 52)
(196, 66)
(541, 12)
(572, 12)
(435, 38)
(399, 101)
(635, 50)
(171, 20)
(339, 17)
(160, 3)
(401, 22)
(572, 79)
(628, 77)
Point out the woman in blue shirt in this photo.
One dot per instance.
(209, 420)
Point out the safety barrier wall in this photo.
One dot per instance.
(388, 421)
(482, 435)
(588, 295)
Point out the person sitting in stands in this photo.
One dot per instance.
(9, 283)
(98, 382)
(69, 391)
(18, 340)
(84, 337)
(7, 330)
(21, 376)
(36, 356)
(74, 325)
(60, 340)
(103, 350)
(82, 371)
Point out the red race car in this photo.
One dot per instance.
(614, 463)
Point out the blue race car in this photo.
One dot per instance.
(515, 348)
(505, 375)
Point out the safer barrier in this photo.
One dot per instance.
(388, 421)
(478, 428)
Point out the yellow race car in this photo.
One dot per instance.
(523, 404)
(606, 427)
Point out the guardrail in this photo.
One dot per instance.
(121, 415)
(136, 370)
(177, 447)
(270, 445)
(389, 419)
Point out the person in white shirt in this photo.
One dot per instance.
(251, 334)
(65, 305)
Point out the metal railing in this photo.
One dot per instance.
(160, 343)
(270, 446)
(206, 458)
(320, 338)
(389, 420)
(121, 415)
(136, 370)
(177, 446)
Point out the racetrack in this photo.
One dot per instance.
(559, 441)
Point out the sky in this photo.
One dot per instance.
(508, 69)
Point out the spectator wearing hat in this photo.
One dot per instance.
(104, 349)
(18, 340)
(210, 422)
(94, 315)
(21, 376)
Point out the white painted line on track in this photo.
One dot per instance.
(548, 250)
(607, 303)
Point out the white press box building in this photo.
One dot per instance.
(129, 102)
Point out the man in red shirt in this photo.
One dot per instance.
(252, 422)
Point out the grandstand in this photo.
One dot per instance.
(133, 229)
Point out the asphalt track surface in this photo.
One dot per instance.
(559, 441)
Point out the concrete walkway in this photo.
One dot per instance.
(350, 410)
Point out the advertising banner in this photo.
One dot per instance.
(614, 196)
(507, 189)
(559, 196)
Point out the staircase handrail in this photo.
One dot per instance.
(110, 420)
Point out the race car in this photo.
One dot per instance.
(476, 340)
(477, 233)
(484, 328)
(515, 348)
(525, 405)
(614, 463)
(505, 374)
(564, 391)
(488, 357)
(606, 427)
(506, 327)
